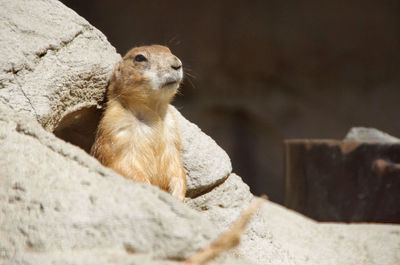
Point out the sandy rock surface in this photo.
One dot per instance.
(52, 61)
(277, 235)
(209, 169)
(54, 198)
(224, 204)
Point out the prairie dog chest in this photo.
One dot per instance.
(138, 131)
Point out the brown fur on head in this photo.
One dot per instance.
(147, 75)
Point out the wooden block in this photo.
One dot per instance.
(332, 180)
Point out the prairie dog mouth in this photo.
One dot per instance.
(170, 82)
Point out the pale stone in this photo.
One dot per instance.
(206, 164)
(56, 200)
(370, 135)
(52, 61)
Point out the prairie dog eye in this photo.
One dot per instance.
(140, 58)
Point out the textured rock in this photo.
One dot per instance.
(54, 198)
(89, 257)
(206, 164)
(50, 203)
(370, 135)
(223, 206)
(310, 242)
(52, 61)
(277, 235)
(108, 257)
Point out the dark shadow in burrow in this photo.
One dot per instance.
(79, 127)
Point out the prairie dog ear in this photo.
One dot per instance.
(115, 79)
(117, 71)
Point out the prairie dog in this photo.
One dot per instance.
(138, 135)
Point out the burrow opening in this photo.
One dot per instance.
(79, 127)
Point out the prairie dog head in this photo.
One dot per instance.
(146, 74)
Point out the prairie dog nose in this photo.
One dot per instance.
(176, 64)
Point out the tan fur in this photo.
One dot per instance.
(138, 135)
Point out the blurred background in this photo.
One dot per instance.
(259, 72)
